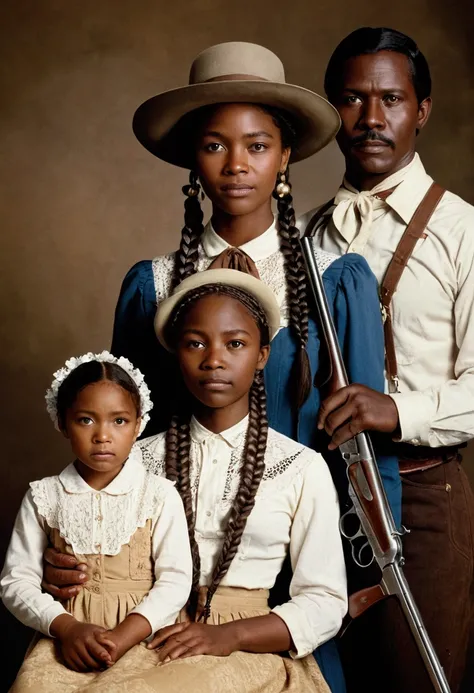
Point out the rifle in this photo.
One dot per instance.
(370, 502)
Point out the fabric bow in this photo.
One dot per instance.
(236, 259)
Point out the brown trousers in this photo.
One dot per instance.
(379, 653)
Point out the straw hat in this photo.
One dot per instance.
(255, 287)
(234, 72)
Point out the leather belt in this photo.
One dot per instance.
(419, 459)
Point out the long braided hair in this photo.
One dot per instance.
(178, 448)
(295, 272)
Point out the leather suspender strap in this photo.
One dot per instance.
(311, 226)
(403, 252)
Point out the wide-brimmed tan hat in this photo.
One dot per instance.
(255, 287)
(234, 72)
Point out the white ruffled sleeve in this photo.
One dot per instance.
(318, 589)
(20, 581)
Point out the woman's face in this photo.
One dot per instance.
(239, 154)
(219, 350)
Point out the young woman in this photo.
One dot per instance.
(106, 509)
(236, 128)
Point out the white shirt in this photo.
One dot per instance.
(431, 309)
(67, 503)
(296, 508)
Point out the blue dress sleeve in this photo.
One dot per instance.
(358, 320)
(134, 337)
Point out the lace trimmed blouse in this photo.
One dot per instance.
(296, 509)
(98, 522)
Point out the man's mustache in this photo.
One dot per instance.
(372, 136)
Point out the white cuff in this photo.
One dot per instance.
(47, 617)
(291, 615)
(156, 620)
(415, 413)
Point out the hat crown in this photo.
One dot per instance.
(236, 58)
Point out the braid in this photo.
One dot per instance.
(297, 295)
(187, 255)
(251, 475)
(178, 460)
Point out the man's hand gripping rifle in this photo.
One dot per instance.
(370, 502)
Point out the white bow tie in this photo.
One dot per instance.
(354, 208)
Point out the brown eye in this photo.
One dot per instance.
(214, 147)
(259, 147)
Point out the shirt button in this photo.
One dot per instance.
(96, 589)
(415, 441)
(99, 518)
(208, 513)
(96, 576)
(97, 495)
(214, 461)
(98, 547)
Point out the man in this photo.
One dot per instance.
(380, 83)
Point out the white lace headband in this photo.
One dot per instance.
(105, 357)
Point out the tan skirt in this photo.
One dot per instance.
(138, 671)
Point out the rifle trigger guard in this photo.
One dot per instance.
(357, 555)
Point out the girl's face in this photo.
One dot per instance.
(219, 350)
(102, 426)
(239, 155)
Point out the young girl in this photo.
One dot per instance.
(251, 495)
(106, 510)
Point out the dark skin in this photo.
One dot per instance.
(240, 144)
(218, 358)
(102, 424)
(381, 117)
(239, 154)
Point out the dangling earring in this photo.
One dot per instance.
(283, 188)
(193, 189)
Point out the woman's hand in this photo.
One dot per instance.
(188, 639)
(63, 576)
(80, 645)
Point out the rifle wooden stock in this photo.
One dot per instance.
(370, 501)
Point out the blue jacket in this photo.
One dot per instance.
(352, 294)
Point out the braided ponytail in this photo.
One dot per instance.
(187, 255)
(297, 293)
(178, 460)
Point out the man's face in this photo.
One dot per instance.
(380, 114)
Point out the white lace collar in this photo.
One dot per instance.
(258, 248)
(93, 521)
(128, 477)
(232, 436)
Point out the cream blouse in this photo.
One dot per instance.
(95, 522)
(296, 509)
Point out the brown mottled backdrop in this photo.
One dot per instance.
(81, 201)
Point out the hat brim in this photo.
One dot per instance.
(229, 277)
(156, 122)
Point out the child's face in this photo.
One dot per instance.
(219, 351)
(102, 426)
